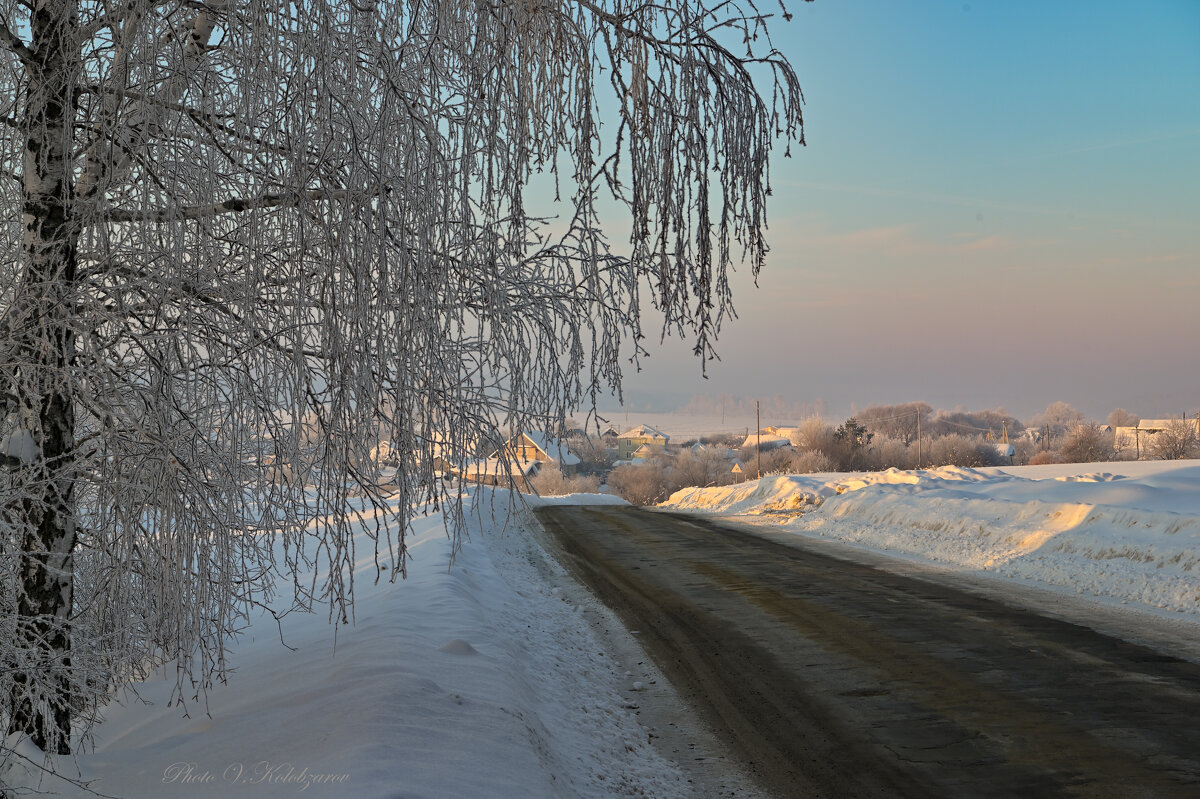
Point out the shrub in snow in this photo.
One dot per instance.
(595, 456)
(550, 482)
(956, 450)
(704, 468)
(640, 484)
(892, 453)
(1086, 443)
(809, 461)
(775, 461)
(1175, 441)
(1044, 457)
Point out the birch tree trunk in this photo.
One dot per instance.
(40, 446)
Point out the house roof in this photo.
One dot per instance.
(644, 431)
(1158, 424)
(553, 448)
(769, 441)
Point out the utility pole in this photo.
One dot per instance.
(1004, 429)
(758, 434)
(918, 439)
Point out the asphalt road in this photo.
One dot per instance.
(836, 679)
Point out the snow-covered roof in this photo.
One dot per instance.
(644, 431)
(1159, 424)
(769, 441)
(553, 448)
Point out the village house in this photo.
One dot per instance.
(770, 438)
(537, 446)
(1138, 436)
(629, 442)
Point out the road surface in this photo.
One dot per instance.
(836, 679)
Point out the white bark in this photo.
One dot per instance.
(260, 237)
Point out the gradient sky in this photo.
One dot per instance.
(999, 205)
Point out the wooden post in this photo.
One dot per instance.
(758, 439)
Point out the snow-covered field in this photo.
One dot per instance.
(490, 679)
(1126, 532)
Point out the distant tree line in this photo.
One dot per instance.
(877, 438)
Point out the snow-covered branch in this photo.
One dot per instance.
(236, 204)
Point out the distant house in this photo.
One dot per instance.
(768, 438)
(645, 451)
(538, 447)
(1137, 436)
(782, 432)
(631, 440)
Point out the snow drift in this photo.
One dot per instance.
(1128, 531)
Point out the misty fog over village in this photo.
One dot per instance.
(508, 400)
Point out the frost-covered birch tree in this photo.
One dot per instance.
(246, 238)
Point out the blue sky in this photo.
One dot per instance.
(999, 204)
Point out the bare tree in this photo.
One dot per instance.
(248, 238)
(1122, 418)
(1059, 416)
(897, 421)
(1175, 441)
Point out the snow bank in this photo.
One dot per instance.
(477, 679)
(1127, 531)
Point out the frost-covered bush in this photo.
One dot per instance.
(775, 461)
(813, 434)
(640, 484)
(702, 468)
(595, 456)
(1175, 441)
(958, 450)
(1044, 457)
(810, 461)
(550, 482)
(892, 453)
(1086, 443)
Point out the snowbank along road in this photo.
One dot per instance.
(837, 679)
